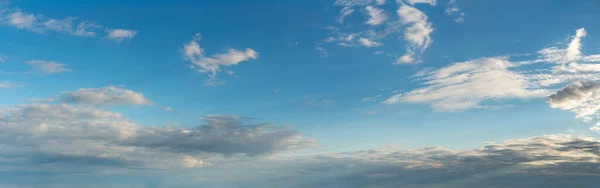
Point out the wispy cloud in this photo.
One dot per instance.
(71, 25)
(213, 64)
(7, 85)
(48, 67)
(465, 85)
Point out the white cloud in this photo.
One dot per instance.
(2, 58)
(21, 20)
(69, 25)
(465, 85)
(346, 11)
(119, 35)
(571, 54)
(169, 109)
(407, 58)
(380, 2)
(65, 25)
(369, 99)
(573, 50)
(195, 54)
(417, 34)
(369, 43)
(409, 14)
(48, 67)
(459, 19)
(7, 85)
(413, 2)
(452, 9)
(321, 50)
(104, 96)
(85, 29)
(350, 3)
(376, 16)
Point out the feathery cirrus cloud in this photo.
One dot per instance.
(74, 26)
(464, 85)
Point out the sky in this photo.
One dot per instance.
(320, 93)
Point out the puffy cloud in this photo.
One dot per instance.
(409, 14)
(119, 35)
(48, 67)
(369, 43)
(81, 137)
(412, 23)
(110, 95)
(581, 98)
(195, 54)
(21, 20)
(464, 85)
(376, 16)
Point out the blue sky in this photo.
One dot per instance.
(262, 86)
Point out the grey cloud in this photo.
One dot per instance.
(68, 136)
(581, 98)
(545, 161)
(574, 95)
(226, 135)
